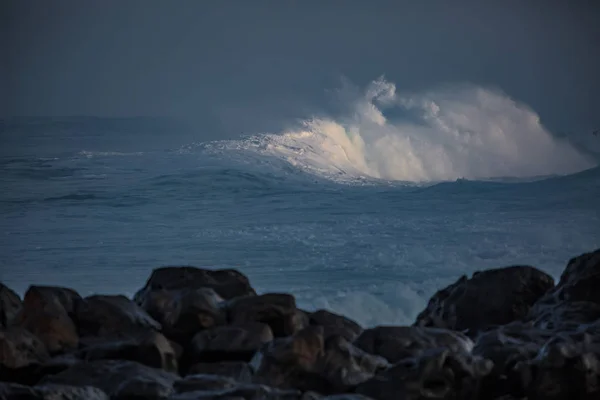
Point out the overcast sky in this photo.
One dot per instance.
(248, 64)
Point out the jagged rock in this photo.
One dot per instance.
(335, 324)
(182, 313)
(552, 314)
(502, 296)
(50, 392)
(274, 309)
(227, 283)
(10, 304)
(398, 342)
(149, 348)
(119, 379)
(228, 343)
(200, 382)
(240, 371)
(102, 315)
(435, 374)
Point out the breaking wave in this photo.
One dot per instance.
(465, 132)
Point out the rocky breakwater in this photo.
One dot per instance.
(191, 333)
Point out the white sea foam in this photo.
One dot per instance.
(460, 132)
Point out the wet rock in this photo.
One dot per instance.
(102, 315)
(10, 304)
(237, 370)
(227, 283)
(10, 391)
(200, 382)
(559, 316)
(149, 348)
(119, 379)
(229, 343)
(398, 342)
(435, 374)
(502, 296)
(335, 324)
(274, 309)
(183, 313)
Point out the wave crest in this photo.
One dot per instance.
(461, 132)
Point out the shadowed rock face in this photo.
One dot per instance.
(501, 295)
(198, 334)
(226, 283)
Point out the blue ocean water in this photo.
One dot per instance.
(96, 204)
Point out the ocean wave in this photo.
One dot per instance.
(464, 132)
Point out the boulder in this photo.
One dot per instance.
(50, 392)
(435, 374)
(182, 313)
(243, 392)
(228, 343)
(345, 365)
(227, 283)
(102, 315)
(580, 279)
(204, 382)
(274, 309)
(21, 353)
(399, 342)
(150, 348)
(237, 370)
(502, 296)
(51, 297)
(335, 325)
(565, 368)
(307, 362)
(10, 304)
(119, 379)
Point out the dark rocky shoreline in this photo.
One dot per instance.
(190, 333)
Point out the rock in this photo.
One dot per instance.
(565, 368)
(227, 283)
(243, 392)
(580, 279)
(346, 396)
(559, 316)
(200, 382)
(346, 366)
(435, 374)
(119, 379)
(183, 313)
(237, 370)
(292, 362)
(228, 343)
(51, 297)
(21, 353)
(274, 309)
(506, 346)
(399, 342)
(149, 348)
(502, 296)
(101, 315)
(10, 304)
(10, 391)
(334, 324)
